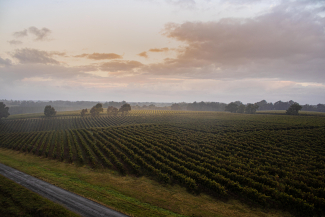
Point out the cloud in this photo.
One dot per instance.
(155, 50)
(143, 54)
(56, 53)
(119, 65)
(286, 43)
(20, 34)
(100, 56)
(29, 55)
(40, 81)
(41, 34)
(5, 62)
(14, 42)
(240, 1)
(182, 3)
(278, 54)
(20, 72)
(159, 49)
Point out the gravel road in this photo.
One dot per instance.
(71, 201)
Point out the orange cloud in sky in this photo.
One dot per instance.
(100, 56)
(143, 54)
(159, 49)
(120, 65)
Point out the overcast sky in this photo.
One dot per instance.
(163, 50)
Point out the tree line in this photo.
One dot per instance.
(19, 107)
(29, 106)
(94, 111)
(261, 106)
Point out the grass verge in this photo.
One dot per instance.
(129, 195)
(16, 200)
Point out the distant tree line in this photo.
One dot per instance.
(261, 105)
(279, 105)
(30, 106)
(111, 110)
(239, 107)
(206, 106)
(22, 107)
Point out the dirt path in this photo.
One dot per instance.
(71, 201)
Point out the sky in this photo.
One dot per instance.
(163, 50)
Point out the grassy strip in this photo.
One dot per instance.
(15, 200)
(127, 194)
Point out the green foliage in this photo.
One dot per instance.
(273, 160)
(49, 111)
(251, 108)
(112, 110)
(125, 108)
(16, 200)
(95, 110)
(3, 111)
(241, 108)
(175, 107)
(238, 107)
(232, 107)
(294, 109)
(83, 112)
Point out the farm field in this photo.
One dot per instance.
(264, 160)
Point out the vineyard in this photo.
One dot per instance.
(270, 160)
(74, 121)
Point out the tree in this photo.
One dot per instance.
(3, 111)
(264, 105)
(241, 108)
(95, 110)
(279, 105)
(83, 112)
(111, 110)
(125, 108)
(238, 103)
(320, 107)
(114, 111)
(251, 108)
(232, 107)
(176, 107)
(49, 111)
(152, 106)
(294, 109)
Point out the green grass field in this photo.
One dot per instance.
(268, 162)
(16, 200)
